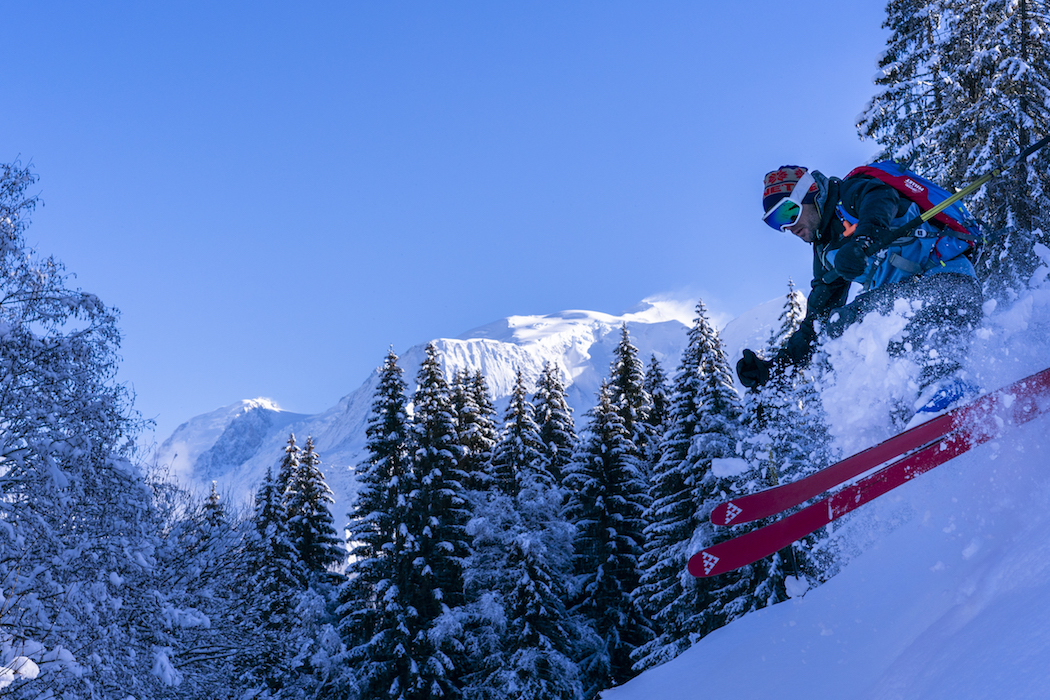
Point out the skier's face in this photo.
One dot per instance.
(807, 224)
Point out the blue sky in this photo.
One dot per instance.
(273, 194)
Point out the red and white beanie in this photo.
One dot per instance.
(780, 182)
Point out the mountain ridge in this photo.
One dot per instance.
(235, 445)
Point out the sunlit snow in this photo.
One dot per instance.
(946, 595)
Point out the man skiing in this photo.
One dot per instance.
(851, 223)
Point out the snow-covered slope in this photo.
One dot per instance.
(946, 596)
(235, 445)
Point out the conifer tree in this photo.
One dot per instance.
(273, 589)
(628, 394)
(656, 387)
(1004, 109)
(289, 467)
(440, 517)
(522, 638)
(669, 595)
(912, 80)
(966, 88)
(554, 417)
(378, 620)
(607, 502)
(310, 522)
(215, 511)
(475, 418)
(519, 454)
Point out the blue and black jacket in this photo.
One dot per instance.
(876, 209)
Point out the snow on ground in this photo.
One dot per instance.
(947, 597)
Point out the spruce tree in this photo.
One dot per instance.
(522, 638)
(519, 454)
(475, 418)
(628, 394)
(554, 417)
(1006, 109)
(912, 80)
(669, 595)
(288, 468)
(273, 589)
(657, 388)
(607, 502)
(966, 88)
(384, 632)
(310, 522)
(215, 511)
(440, 516)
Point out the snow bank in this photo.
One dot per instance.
(945, 598)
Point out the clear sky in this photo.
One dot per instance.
(274, 193)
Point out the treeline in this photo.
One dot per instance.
(513, 558)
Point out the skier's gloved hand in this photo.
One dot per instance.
(852, 258)
(752, 370)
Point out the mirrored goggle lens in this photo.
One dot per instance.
(785, 213)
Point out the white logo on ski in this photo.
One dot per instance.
(709, 562)
(732, 510)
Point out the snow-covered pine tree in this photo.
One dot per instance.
(310, 524)
(541, 638)
(656, 386)
(669, 595)
(276, 581)
(214, 509)
(1005, 109)
(786, 440)
(439, 524)
(966, 87)
(522, 640)
(475, 418)
(377, 617)
(607, 502)
(659, 415)
(903, 112)
(719, 438)
(628, 394)
(288, 468)
(554, 417)
(519, 455)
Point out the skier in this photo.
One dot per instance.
(848, 223)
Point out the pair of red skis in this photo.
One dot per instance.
(881, 469)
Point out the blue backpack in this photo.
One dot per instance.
(926, 195)
(945, 242)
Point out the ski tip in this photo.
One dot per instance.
(703, 564)
(725, 513)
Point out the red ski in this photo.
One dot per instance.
(986, 419)
(764, 504)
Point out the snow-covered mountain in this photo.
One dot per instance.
(234, 445)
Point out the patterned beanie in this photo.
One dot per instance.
(779, 183)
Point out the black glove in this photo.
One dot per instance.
(852, 258)
(752, 370)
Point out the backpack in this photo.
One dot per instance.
(952, 233)
(955, 220)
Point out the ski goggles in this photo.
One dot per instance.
(785, 213)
